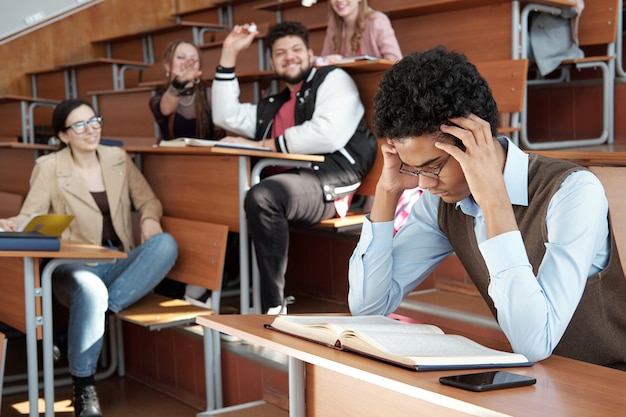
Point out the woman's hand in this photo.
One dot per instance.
(8, 225)
(149, 228)
(187, 72)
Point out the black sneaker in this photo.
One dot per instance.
(86, 402)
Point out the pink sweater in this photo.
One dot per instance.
(378, 39)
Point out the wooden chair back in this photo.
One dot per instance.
(598, 22)
(613, 180)
(507, 80)
(368, 185)
(201, 252)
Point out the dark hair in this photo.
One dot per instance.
(425, 89)
(62, 110)
(283, 29)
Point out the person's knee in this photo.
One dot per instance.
(262, 199)
(252, 200)
(165, 244)
(90, 290)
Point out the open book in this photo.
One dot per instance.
(349, 59)
(421, 347)
(47, 224)
(182, 142)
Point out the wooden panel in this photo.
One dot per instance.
(316, 15)
(613, 179)
(10, 204)
(100, 77)
(51, 84)
(11, 116)
(16, 166)
(195, 186)
(201, 251)
(331, 393)
(119, 120)
(507, 80)
(466, 34)
(12, 304)
(598, 22)
(40, 49)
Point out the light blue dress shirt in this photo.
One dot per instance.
(533, 311)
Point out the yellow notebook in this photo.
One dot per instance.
(48, 224)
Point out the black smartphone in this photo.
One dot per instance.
(487, 381)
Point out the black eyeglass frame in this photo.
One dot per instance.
(426, 173)
(80, 127)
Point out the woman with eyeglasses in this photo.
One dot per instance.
(99, 185)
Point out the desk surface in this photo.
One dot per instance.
(612, 154)
(200, 150)
(565, 387)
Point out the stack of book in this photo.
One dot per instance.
(40, 232)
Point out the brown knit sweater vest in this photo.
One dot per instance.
(597, 331)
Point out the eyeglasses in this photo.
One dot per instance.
(418, 172)
(81, 127)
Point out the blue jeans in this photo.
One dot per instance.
(89, 290)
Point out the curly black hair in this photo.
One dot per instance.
(425, 89)
(283, 29)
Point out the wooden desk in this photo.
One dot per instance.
(18, 115)
(210, 184)
(611, 155)
(89, 75)
(33, 296)
(341, 383)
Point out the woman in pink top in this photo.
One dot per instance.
(356, 29)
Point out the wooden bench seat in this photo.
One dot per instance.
(201, 252)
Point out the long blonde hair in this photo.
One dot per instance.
(359, 27)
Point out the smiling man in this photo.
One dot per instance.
(532, 232)
(319, 112)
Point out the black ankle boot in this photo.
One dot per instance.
(86, 402)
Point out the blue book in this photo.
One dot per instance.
(29, 241)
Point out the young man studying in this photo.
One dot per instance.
(533, 233)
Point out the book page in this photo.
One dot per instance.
(182, 142)
(326, 329)
(426, 349)
(178, 143)
(349, 59)
(48, 224)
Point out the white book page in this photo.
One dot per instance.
(431, 348)
(330, 327)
